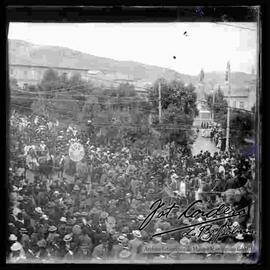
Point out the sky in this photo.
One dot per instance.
(204, 45)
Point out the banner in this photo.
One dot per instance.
(76, 152)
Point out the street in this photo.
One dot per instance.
(203, 144)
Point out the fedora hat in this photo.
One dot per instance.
(67, 238)
(121, 238)
(16, 247)
(13, 237)
(140, 217)
(38, 210)
(137, 234)
(52, 229)
(63, 219)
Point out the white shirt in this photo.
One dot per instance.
(182, 188)
(221, 169)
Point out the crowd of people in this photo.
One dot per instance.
(61, 210)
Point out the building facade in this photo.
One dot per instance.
(31, 75)
(27, 75)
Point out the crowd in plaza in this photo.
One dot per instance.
(62, 210)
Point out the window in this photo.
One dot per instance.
(11, 71)
(25, 72)
(25, 85)
(242, 105)
(234, 103)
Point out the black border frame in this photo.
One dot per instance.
(163, 11)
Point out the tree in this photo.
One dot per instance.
(242, 126)
(19, 99)
(219, 107)
(49, 76)
(178, 102)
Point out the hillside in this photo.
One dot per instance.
(22, 52)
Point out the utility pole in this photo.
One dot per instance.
(228, 109)
(213, 118)
(159, 102)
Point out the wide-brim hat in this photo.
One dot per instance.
(13, 237)
(45, 217)
(174, 175)
(67, 238)
(137, 233)
(84, 214)
(38, 210)
(158, 230)
(140, 217)
(16, 247)
(124, 254)
(121, 238)
(52, 229)
(63, 219)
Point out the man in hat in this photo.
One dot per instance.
(102, 251)
(136, 244)
(85, 240)
(52, 235)
(43, 251)
(68, 253)
(122, 242)
(25, 239)
(17, 254)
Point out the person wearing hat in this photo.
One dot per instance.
(17, 254)
(52, 234)
(11, 240)
(122, 242)
(102, 251)
(83, 253)
(24, 239)
(70, 251)
(43, 251)
(125, 254)
(136, 244)
(85, 240)
(155, 243)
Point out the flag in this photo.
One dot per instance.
(227, 71)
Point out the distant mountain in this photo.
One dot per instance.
(22, 52)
